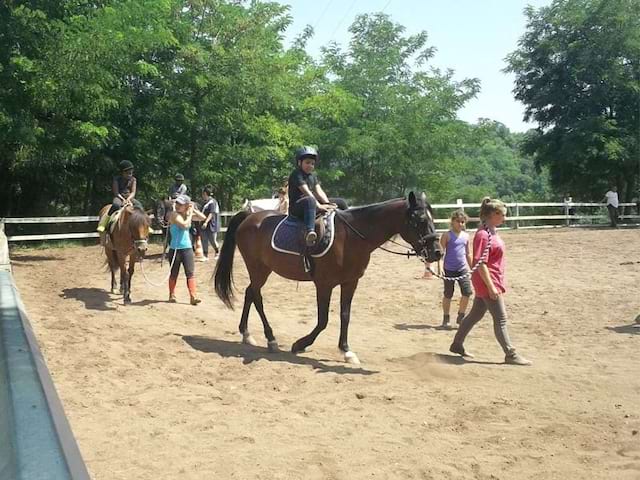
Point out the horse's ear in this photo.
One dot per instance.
(412, 201)
(423, 197)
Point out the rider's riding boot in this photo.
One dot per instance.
(102, 225)
(172, 290)
(191, 285)
(310, 238)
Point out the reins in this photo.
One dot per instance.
(164, 281)
(412, 253)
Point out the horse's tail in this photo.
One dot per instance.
(224, 268)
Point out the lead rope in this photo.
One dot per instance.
(483, 259)
(144, 275)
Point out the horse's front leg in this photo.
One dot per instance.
(323, 298)
(346, 296)
(124, 278)
(132, 266)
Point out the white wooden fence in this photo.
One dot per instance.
(521, 215)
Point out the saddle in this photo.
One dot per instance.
(288, 236)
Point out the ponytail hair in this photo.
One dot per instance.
(489, 206)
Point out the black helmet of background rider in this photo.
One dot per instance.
(179, 177)
(125, 165)
(306, 152)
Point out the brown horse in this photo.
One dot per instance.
(359, 231)
(125, 240)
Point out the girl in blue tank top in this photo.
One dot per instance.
(180, 250)
(457, 261)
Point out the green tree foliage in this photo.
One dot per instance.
(490, 162)
(578, 73)
(207, 88)
(385, 126)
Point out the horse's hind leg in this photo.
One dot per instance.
(247, 338)
(272, 344)
(323, 297)
(252, 295)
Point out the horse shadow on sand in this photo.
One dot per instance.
(99, 298)
(632, 329)
(250, 354)
(25, 258)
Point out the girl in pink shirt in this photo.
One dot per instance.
(488, 282)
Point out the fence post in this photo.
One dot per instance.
(517, 215)
(460, 204)
(5, 263)
(567, 220)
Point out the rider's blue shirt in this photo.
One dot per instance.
(180, 238)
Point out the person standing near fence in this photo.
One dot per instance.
(488, 283)
(457, 261)
(211, 224)
(180, 248)
(611, 199)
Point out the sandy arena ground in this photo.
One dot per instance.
(162, 391)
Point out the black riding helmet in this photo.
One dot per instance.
(125, 165)
(179, 177)
(304, 152)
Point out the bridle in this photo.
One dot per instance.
(414, 222)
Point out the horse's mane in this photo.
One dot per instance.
(139, 218)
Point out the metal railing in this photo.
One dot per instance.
(36, 440)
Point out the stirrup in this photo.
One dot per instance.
(311, 238)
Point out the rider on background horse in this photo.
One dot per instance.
(306, 196)
(124, 190)
(178, 187)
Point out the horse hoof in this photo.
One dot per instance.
(248, 339)
(115, 291)
(273, 347)
(351, 358)
(127, 301)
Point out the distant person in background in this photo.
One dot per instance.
(568, 200)
(427, 275)
(611, 199)
(211, 224)
(178, 187)
(283, 200)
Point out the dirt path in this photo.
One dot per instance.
(160, 391)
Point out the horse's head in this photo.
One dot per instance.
(421, 231)
(139, 226)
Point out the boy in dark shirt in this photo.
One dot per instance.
(306, 195)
